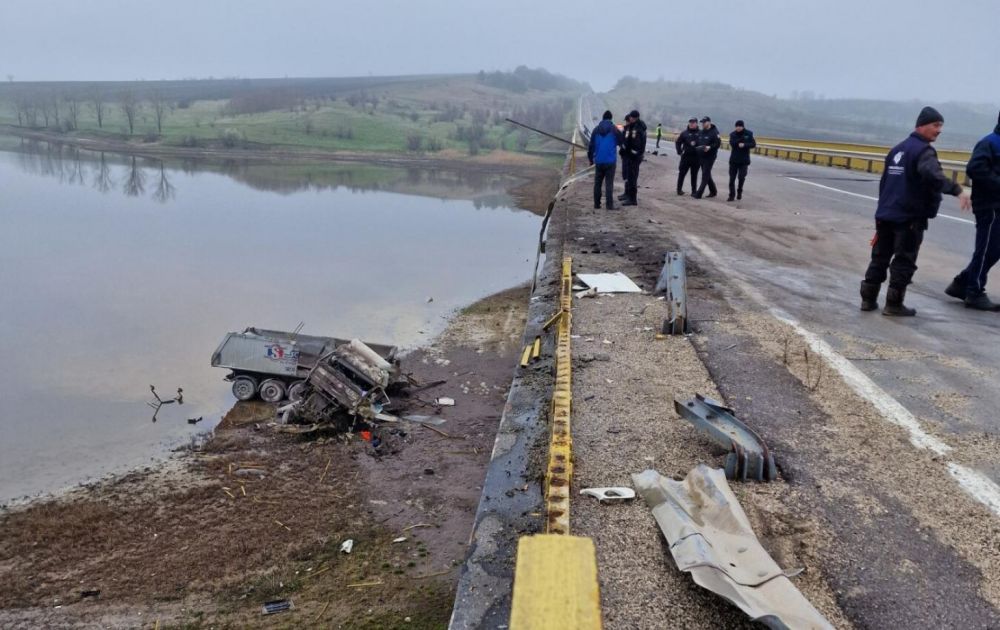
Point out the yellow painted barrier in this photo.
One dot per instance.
(560, 466)
(555, 586)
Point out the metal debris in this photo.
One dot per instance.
(609, 282)
(749, 457)
(276, 606)
(710, 538)
(159, 402)
(444, 401)
(610, 495)
(673, 281)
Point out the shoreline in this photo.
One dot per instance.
(490, 162)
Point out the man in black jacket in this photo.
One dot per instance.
(983, 169)
(909, 195)
(707, 148)
(741, 142)
(685, 144)
(632, 153)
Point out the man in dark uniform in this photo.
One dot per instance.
(741, 142)
(685, 144)
(984, 171)
(707, 148)
(909, 196)
(633, 151)
(625, 163)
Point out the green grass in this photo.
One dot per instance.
(404, 110)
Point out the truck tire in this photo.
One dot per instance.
(272, 390)
(244, 387)
(297, 391)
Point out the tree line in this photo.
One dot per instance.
(61, 109)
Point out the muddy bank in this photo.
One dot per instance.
(252, 516)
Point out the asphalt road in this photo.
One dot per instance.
(802, 239)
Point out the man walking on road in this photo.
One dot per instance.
(634, 150)
(909, 196)
(707, 148)
(604, 143)
(984, 171)
(685, 145)
(659, 134)
(741, 142)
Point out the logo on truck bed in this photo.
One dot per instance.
(277, 352)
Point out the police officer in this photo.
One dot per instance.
(633, 151)
(909, 196)
(741, 142)
(685, 145)
(707, 148)
(984, 171)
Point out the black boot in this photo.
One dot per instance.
(739, 194)
(869, 295)
(894, 304)
(680, 193)
(981, 302)
(956, 289)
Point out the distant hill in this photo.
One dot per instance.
(843, 120)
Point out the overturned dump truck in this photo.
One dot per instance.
(320, 375)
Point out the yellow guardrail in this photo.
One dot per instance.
(856, 157)
(555, 577)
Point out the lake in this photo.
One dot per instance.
(117, 273)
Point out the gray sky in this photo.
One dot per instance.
(898, 49)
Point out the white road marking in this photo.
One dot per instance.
(854, 194)
(979, 486)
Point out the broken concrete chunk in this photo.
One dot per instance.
(347, 546)
(445, 401)
(711, 538)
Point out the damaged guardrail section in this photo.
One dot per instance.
(749, 457)
(711, 538)
(673, 281)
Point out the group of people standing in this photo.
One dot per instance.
(699, 148)
(607, 143)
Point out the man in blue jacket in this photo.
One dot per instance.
(741, 142)
(984, 171)
(909, 196)
(603, 155)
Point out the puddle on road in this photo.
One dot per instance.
(117, 273)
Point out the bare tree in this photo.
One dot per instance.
(72, 110)
(160, 108)
(130, 107)
(53, 104)
(97, 100)
(164, 189)
(102, 175)
(135, 182)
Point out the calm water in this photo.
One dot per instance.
(117, 273)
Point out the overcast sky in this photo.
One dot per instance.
(898, 49)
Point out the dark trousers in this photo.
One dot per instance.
(631, 164)
(604, 175)
(986, 254)
(895, 250)
(706, 175)
(737, 171)
(688, 164)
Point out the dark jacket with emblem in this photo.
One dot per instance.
(685, 144)
(741, 155)
(709, 138)
(984, 171)
(635, 140)
(912, 182)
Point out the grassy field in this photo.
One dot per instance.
(416, 114)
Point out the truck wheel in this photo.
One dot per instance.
(297, 391)
(272, 390)
(244, 387)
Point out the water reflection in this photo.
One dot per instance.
(103, 293)
(131, 175)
